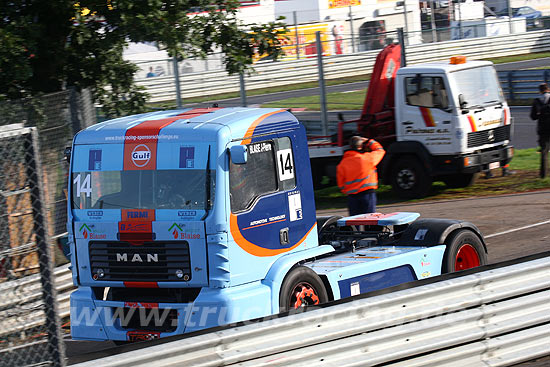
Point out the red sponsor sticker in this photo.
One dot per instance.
(141, 305)
(141, 335)
(138, 215)
(135, 227)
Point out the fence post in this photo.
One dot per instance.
(323, 92)
(73, 107)
(432, 21)
(510, 17)
(177, 80)
(242, 89)
(33, 166)
(296, 35)
(401, 39)
(406, 21)
(511, 85)
(459, 20)
(352, 30)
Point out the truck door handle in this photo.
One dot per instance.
(283, 236)
(407, 122)
(446, 122)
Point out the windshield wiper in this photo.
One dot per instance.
(499, 103)
(477, 108)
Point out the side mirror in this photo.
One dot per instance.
(239, 154)
(67, 154)
(463, 104)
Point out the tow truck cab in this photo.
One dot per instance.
(445, 120)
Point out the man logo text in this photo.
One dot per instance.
(150, 258)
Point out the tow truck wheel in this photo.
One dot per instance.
(409, 178)
(301, 287)
(464, 251)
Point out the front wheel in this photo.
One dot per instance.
(409, 178)
(301, 287)
(464, 251)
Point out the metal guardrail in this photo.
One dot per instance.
(271, 74)
(523, 84)
(28, 313)
(495, 317)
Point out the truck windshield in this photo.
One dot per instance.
(479, 86)
(145, 189)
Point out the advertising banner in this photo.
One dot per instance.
(334, 4)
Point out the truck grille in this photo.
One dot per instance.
(491, 136)
(150, 262)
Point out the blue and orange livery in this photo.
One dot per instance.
(164, 224)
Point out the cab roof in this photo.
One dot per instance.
(443, 66)
(191, 124)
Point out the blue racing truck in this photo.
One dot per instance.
(187, 219)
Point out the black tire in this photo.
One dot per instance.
(462, 246)
(460, 180)
(409, 178)
(301, 287)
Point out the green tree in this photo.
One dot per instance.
(48, 45)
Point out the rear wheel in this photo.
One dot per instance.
(301, 287)
(464, 251)
(409, 178)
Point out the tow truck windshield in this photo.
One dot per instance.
(144, 189)
(479, 86)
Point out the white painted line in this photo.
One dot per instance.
(518, 229)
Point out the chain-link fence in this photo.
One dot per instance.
(33, 201)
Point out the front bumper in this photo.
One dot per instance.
(95, 319)
(473, 162)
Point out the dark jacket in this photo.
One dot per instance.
(543, 127)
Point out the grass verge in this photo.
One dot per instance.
(525, 178)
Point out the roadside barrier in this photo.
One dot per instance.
(495, 317)
(21, 301)
(273, 74)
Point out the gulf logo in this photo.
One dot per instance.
(141, 155)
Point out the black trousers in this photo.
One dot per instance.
(362, 203)
(544, 142)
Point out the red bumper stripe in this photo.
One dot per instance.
(141, 284)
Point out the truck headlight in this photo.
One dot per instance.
(99, 273)
(471, 161)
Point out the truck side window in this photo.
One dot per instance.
(257, 177)
(426, 91)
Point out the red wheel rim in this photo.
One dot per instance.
(303, 295)
(466, 258)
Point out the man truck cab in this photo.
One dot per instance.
(187, 219)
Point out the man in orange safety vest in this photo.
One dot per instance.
(356, 174)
